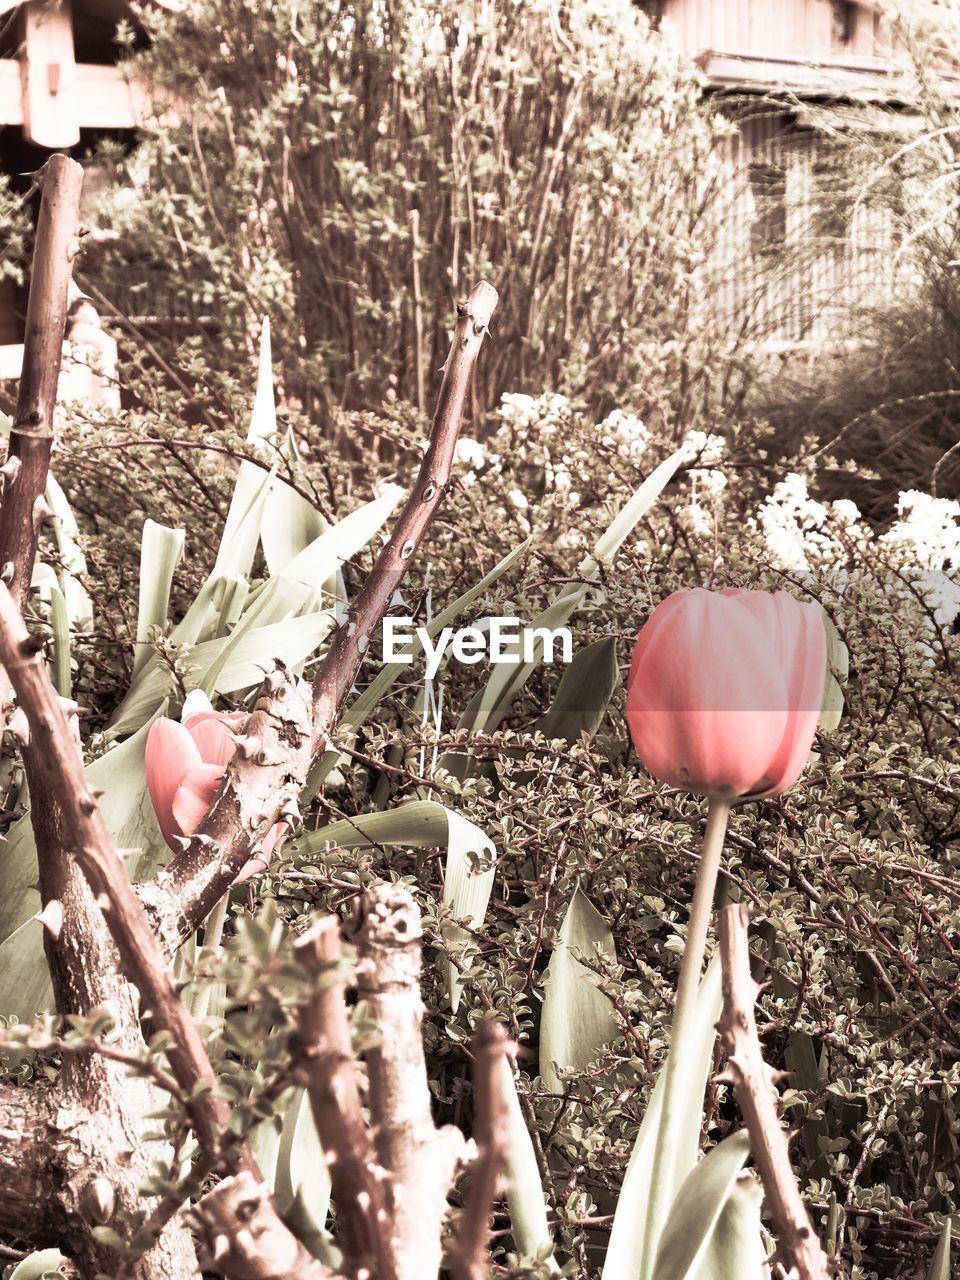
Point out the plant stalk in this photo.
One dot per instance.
(683, 1029)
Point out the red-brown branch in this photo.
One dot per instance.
(469, 1259)
(337, 672)
(797, 1244)
(363, 1224)
(58, 765)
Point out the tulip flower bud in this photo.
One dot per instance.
(725, 690)
(185, 763)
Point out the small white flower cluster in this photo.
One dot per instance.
(474, 455)
(625, 433)
(548, 413)
(803, 534)
(707, 484)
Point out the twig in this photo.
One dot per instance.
(338, 670)
(419, 1158)
(363, 1224)
(797, 1245)
(469, 1260)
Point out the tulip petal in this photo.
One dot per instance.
(195, 795)
(169, 754)
(804, 659)
(707, 703)
(214, 735)
(254, 866)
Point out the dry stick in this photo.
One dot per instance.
(24, 473)
(420, 1159)
(798, 1247)
(58, 764)
(31, 436)
(417, 306)
(363, 1225)
(337, 672)
(469, 1260)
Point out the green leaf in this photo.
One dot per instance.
(425, 824)
(37, 1266)
(696, 1211)
(940, 1265)
(630, 515)
(584, 693)
(628, 1246)
(66, 535)
(524, 1190)
(301, 1165)
(506, 681)
(60, 659)
(838, 670)
(577, 1020)
(735, 1247)
(246, 656)
(241, 532)
(160, 552)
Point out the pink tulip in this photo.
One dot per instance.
(185, 764)
(725, 689)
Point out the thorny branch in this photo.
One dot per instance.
(797, 1245)
(357, 1182)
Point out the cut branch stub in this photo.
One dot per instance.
(420, 1159)
(337, 672)
(242, 1238)
(330, 1073)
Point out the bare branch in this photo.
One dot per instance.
(798, 1246)
(243, 1238)
(363, 1224)
(337, 672)
(31, 436)
(420, 1159)
(469, 1260)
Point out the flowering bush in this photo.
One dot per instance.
(851, 873)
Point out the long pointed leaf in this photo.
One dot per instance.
(696, 1210)
(628, 1245)
(160, 551)
(525, 1198)
(577, 1019)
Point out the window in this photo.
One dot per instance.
(768, 185)
(843, 17)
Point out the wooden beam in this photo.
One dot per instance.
(49, 76)
(105, 97)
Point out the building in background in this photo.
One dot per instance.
(793, 75)
(62, 86)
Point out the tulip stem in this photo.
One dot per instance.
(684, 1027)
